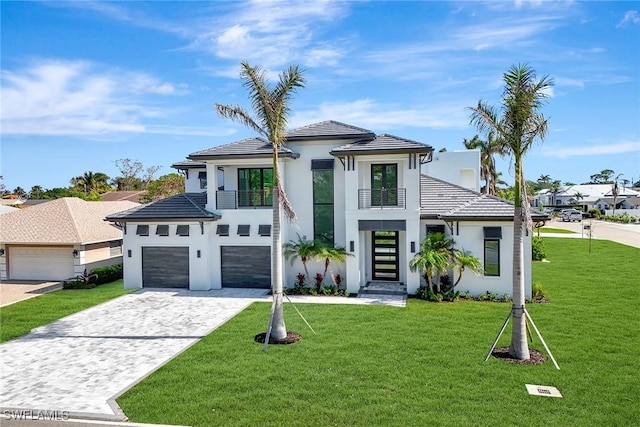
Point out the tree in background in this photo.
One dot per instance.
(488, 149)
(91, 183)
(554, 187)
(133, 175)
(165, 186)
(271, 110)
(604, 177)
(518, 122)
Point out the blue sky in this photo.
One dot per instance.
(87, 83)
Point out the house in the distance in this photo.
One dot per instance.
(375, 195)
(59, 239)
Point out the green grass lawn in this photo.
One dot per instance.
(19, 318)
(422, 365)
(556, 230)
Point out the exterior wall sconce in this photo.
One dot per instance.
(198, 253)
(352, 246)
(413, 247)
(1, 252)
(75, 253)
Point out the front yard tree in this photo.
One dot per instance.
(302, 248)
(518, 122)
(270, 104)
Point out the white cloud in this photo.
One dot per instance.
(77, 98)
(631, 17)
(368, 113)
(594, 150)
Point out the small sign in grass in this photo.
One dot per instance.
(543, 390)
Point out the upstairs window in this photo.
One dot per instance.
(142, 230)
(323, 214)
(182, 230)
(202, 177)
(162, 230)
(255, 187)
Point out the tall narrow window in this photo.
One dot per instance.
(202, 177)
(255, 187)
(491, 257)
(323, 215)
(384, 185)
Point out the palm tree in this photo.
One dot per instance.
(544, 180)
(444, 244)
(270, 103)
(432, 257)
(328, 254)
(91, 182)
(555, 189)
(518, 122)
(488, 149)
(463, 261)
(302, 248)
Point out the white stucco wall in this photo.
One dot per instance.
(457, 167)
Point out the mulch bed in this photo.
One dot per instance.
(291, 338)
(502, 353)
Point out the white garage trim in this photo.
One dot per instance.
(40, 263)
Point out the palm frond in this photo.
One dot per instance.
(239, 115)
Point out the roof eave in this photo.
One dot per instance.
(373, 152)
(331, 137)
(242, 156)
(163, 219)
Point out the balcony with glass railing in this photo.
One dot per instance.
(382, 198)
(249, 199)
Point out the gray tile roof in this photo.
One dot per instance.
(443, 200)
(188, 164)
(182, 207)
(329, 129)
(244, 149)
(68, 220)
(383, 144)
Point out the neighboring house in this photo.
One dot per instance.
(7, 209)
(349, 187)
(119, 196)
(58, 239)
(598, 196)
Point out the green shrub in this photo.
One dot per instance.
(595, 213)
(77, 284)
(537, 290)
(538, 251)
(107, 274)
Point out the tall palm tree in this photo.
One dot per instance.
(431, 258)
(555, 189)
(518, 122)
(270, 103)
(544, 180)
(302, 248)
(488, 149)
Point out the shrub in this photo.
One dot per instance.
(595, 213)
(537, 290)
(538, 251)
(107, 274)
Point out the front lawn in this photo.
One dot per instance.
(21, 317)
(422, 365)
(556, 230)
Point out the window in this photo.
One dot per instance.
(323, 216)
(491, 257)
(384, 185)
(115, 248)
(264, 230)
(202, 177)
(162, 230)
(223, 230)
(182, 230)
(244, 229)
(255, 187)
(493, 232)
(431, 229)
(142, 230)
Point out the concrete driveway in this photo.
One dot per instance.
(18, 290)
(80, 363)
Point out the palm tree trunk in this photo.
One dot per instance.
(519, 348)
(279, 330)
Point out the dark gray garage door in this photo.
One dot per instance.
(165, 267)
(246, 266)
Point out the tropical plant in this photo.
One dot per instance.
(431, 258)
(464, 260)
(330, 253)
(270, 104)
(518, 122)
(165, 186)
(302, 248)
(488, 149)
(91, 182)
(555, 189)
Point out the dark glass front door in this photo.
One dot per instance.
(385, 255)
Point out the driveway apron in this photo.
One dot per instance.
(78, 363)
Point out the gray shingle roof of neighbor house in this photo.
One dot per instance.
(189, 164)
(68, 220)
(181, 207)
(383, 144)
(246, 148)
(443, 200)
(329, 129)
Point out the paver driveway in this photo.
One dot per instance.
(78, 363)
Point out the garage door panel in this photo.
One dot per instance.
(37, 263)
(246, 266)
(165, 267)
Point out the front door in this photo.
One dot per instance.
(385, 256)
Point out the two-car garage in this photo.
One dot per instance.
(240, 266)
(40, 263)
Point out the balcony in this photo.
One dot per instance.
(250, 199)
(382, 198)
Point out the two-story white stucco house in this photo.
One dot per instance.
(375, 195)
